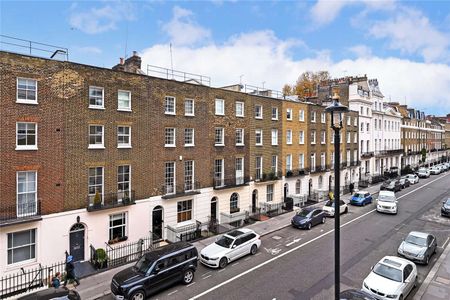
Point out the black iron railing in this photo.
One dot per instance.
(110, 200)
(28, 280)
(20, 211)
(181, 189)
(230, 181)
(188, 232)
(367, 154)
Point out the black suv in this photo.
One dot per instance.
(391, 185)
(155, 271)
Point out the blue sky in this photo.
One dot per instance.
(405, 44)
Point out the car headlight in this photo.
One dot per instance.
(391, 296)
(365, 285)
(420, 255)
(400, 250)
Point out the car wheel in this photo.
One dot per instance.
(323, 220)
(188, 276)
(138, 295)
(415, 282)
(309, 225)
(253, 250)
(401, 297)
(427, 260)
(223, 262)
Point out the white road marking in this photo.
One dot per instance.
(247, 258)
(221, 270)
(296, 248)
(206, 276)
(206, 273)
(235, 264)
(170, 294)
(293, 242)
(258, 254)
(190, 284)
(445, 243)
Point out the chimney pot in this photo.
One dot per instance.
(122, 61)
(134, 53)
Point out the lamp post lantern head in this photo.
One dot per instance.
(337, 110)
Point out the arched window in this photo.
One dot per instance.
(298, 187)
(234, 203)
(320, 182)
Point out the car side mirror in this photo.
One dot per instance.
(407, 281)
(371, 267)
(234, 246)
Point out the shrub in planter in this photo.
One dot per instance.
(264, 176)
(101, 258)
(272, 176)
(289, 173)
(97, 200)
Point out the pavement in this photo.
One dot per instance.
(98, 285)
(436, 285)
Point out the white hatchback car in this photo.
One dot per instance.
(435, 170)
(387, 202)
(423, 173)
(229, 247)
(412, 178)
(391, 278)
(328, 208)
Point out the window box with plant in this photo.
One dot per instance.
(118, 240)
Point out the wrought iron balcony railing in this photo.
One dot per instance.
(18, 212)
(110, 200)
(173, 191)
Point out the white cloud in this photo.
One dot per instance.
(325, 11)
(183, 30)
(88, 50)
(361, 51)
(262, 57)
(102, 19)
(411, 32)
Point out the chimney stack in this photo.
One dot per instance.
(131, 64)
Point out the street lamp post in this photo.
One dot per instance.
(336, 110)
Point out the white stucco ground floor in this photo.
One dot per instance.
(45, 241)
(415, 160)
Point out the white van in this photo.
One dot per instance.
(387, 202)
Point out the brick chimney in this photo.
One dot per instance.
(131, 64)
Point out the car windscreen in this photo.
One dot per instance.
(388, 272)
(143, 264)
(358, 195)
(416, 240)
(329, 203)
(303, 213)
(386, 198)
(448, 201)
(224, 241)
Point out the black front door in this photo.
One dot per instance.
(213, 210)
(157, 218)
(285, 191)
(77, 242)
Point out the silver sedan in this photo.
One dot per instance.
(418, 246)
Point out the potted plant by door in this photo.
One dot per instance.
(101, 258)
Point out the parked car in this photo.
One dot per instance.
(445, 209)
(156, 270)
(328, 208)
(308, 217)
(412, 178)
(435, 170)
(391, 185)
(404, 182)
(355, 295)
(387, 202)
(391, 278)
(361, 198)
(423, 173)
(229, 247)
(418, 246)
(60, 293)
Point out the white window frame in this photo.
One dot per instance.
(274, 137)
(289, 162)
(323, 118)
(124, 217)
(258, 169)
(313, 137)
(349, 121)
(355, 137)
(31, 245)
(192, 130)
(323, 160)
(242, 110)
(239, 170)
(313, 162)
(222, 172)
(219, 109)
(355, 121)
(121, 193)
(260, 132)
(27, 147)
(26, 191)
(167, 104)
(301, 137)
(186, 205)
(170, 145)
(301, 161)
(96, 146)
(239, 135)
(170, 181)
(289, 137)
(258, 113)
(323, 137)
(269, 193)
(222, 136)
(26, 101)
(348, 158)
(289, 114)
(118, 101)
(124, 145)
(313, 117)
(102, 185)
(189, 176)
(276, 114)
(301, 115)
(186, 113)
(276, 164)
(348, 137)
(96, 106)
